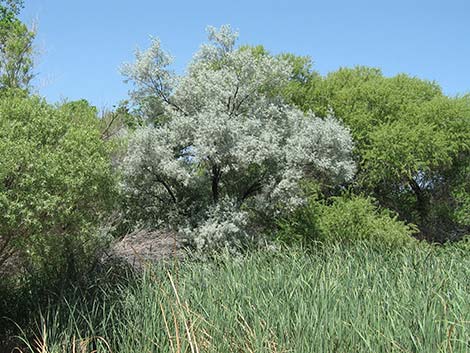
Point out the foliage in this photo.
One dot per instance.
(152, 81)
(16, 48)
(347, 218)
(10, 8)
(117, 122)
(411, 142)
(224, 226)
(226, 139)
(357, 219)
(56, 181)
(456, 190)
(359, 298)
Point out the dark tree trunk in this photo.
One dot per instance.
(215, 183)
(421, 207)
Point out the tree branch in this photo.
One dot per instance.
(215, 182)
(167, 187)
(253, 188)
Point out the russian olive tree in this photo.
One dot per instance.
(227, 153)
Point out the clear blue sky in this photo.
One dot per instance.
(82, 43)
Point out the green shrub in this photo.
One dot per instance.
(357, 218)
(346, 218)
(56, 182)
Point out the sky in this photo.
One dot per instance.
(82, 44)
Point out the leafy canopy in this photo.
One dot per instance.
(229, 150)
(412, 141)
(16, 48)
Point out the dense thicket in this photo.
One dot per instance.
(56, 181)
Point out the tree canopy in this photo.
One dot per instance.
(230, 149)
(16, 48)
(412, 141)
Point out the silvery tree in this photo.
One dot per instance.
(227, 153)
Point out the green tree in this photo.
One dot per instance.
(56, 180)
(10, 8)
(412, 143)
(16, 48)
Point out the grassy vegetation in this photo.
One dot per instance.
(340, 298)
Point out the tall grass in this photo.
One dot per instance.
(336, 299)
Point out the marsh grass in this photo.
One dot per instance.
(334, 299)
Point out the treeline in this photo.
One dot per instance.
(247, 148)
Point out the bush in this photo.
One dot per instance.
(345, 219)
(56, 182)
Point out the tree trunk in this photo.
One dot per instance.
(215, 183)
(421, 205)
